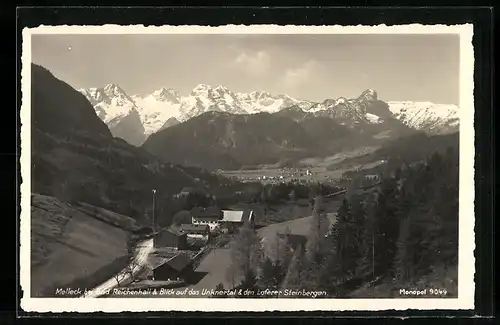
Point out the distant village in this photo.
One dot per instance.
(278, 175)
(298, 175)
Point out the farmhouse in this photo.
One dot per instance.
(199, 231)
(177, 268)
(233, 219)
(208, 216)
(170, 238)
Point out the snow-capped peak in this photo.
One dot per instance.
(340, 100)
(369, 95)
(427, 116)
(201, 88)
(112, 88)
(221, 88)
(110, 102)
(164, 94)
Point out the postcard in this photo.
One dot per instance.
(247, 168)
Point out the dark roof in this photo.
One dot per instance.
(186, 228)
(173, 231)
(179, 262)
(156, 261)
(210, 212)
(294, 240)
(196, 242)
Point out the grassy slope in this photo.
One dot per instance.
(68, 243)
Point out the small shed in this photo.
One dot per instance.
(177, 268)
(170, 238)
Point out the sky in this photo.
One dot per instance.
(310, 67)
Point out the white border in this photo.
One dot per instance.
(466, 196)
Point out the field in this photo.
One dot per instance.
(68, 244)
(284, 212)
(300, 226)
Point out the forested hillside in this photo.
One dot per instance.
(402, 235)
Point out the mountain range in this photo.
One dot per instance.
(134, 118)
(220, 140)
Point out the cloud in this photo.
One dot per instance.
(295, 77)
(254, 64)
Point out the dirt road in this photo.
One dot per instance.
(143, 250)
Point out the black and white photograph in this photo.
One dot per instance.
(287, 168)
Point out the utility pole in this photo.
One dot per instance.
(154, 228)
(278, 247)
(373, 253)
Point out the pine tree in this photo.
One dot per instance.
(359, 224)
(429, 233)
(340, 240)
(316, 243)
(386, 218)
(279, 274)
(272, 274)
(249, 283)
(246, 250)
(345, 242)
(296, 271)
(407, 263)
(367, 249)
(220, 289)
(266, 278)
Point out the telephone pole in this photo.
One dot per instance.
(154, 228)
(373, 253)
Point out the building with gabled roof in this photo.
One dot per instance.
(195, 230)
(233, 219)
(176, 268)
(170, 237)
(237, 216)
(209, 216)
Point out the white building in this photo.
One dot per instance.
(210, 217)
